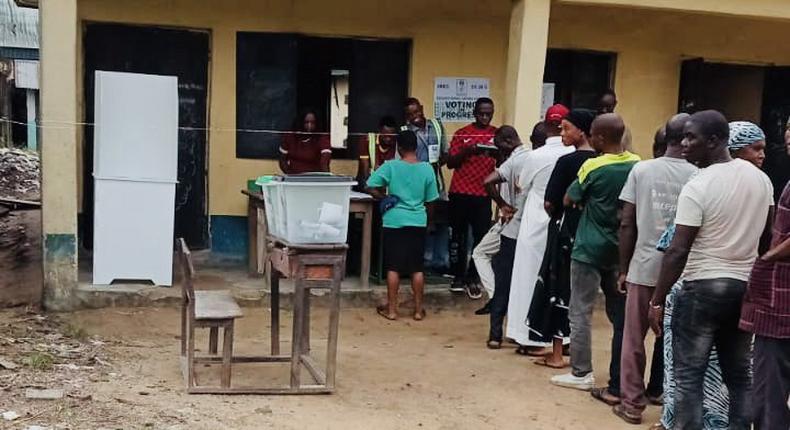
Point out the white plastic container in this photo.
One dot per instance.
(308, 212)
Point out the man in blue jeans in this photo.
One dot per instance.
(723, 217)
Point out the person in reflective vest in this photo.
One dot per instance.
(431, 140)
(376, 148)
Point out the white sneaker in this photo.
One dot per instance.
(568, 380)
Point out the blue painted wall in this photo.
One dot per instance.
(229, 235)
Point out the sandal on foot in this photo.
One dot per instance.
(531, 351)
(384, 312)
(545, 362)
(629, 417)
(603, 394)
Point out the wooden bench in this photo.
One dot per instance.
(205, 309)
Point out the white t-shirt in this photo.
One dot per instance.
(729, 202)
(511, 193)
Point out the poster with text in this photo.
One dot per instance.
(454, 98)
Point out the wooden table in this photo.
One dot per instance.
(257, 232)
(310, 267)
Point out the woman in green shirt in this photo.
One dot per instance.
(405, 186)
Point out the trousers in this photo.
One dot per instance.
(585, 281)
(706, 313)
(466, 211)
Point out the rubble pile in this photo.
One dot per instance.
(20, 175)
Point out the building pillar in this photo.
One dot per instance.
(58, 30)
(647, 82)
(526, 59)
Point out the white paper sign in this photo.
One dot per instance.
(547, 100)
(26, 74)
(454, 98)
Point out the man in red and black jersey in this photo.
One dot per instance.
(469, 203)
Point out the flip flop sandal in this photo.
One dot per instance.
(545, 362)
(526, 351)
(601, 394)
(384, 312)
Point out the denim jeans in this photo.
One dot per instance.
(706, 313)
(585, 281)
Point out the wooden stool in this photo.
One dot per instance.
(310, 267)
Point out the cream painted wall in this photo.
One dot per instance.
(651, 45)
(459, 38)
(450, 38)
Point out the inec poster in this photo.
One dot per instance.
(454, 98)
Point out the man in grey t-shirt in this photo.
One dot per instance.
(649, 197)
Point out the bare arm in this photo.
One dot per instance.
(628, 234)
(765, 238)
(491, 183)
(363, 169)
(378, 193)
(780, 252)
(326, 157)
(284, 163)
(671, 269)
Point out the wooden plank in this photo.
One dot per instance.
(318, 272)
(274, 300)
(227, 356)
(245, 359)
(334, 328)
(306, 389)
(367, 240)
(296, 337)
(312, 367)
(213, 305)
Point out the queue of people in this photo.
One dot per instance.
(689, 244)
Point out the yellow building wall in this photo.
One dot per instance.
(454, 38)
(650, 46)
(449, 38)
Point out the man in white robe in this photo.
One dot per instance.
(533, 233)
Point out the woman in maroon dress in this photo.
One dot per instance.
(305, 149)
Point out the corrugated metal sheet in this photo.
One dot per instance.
(18, 26)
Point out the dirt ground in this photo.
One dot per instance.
(119, 368)
(20, 258)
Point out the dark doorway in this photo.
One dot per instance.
(279, 73)
(580, 77)
(154, 50)
(776, 111)
(760, 94)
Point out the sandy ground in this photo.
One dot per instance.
(20, 258)
(435, 374)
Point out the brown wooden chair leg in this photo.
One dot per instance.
(183, 330)
(306, 324)
(213, 340)
(334, 323)
(274, 284)
(190, 356)
(227, 354)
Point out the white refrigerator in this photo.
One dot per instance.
(134, 171)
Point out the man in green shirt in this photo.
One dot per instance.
(405, 187)
(595, 255)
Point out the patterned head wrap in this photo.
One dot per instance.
(743, 134)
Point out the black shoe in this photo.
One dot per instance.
(485, 310)
(457, 286)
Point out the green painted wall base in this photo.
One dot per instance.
(60, 271)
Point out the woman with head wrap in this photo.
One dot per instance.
(747, 141)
